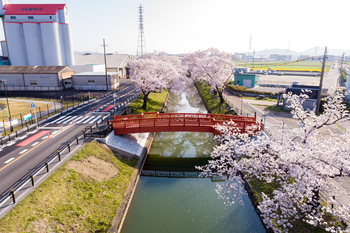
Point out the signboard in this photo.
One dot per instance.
(14, 122)
(27, 117)
(32, 105)
(7, 124)
(5, 113)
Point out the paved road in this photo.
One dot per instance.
(24, 156)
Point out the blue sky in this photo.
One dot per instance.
(181, 26)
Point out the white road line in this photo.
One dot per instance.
(65, 118)
(9, 160)
(75, 120)
(23, 151)
(82, 119)
(51, 127)
(58, 119)
(44, 138)
(35, 144)
(55, 132)
(96, 119)
(69, 120)
(89, 119)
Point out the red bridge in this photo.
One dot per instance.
(175, 122)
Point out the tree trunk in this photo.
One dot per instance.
(145, 99)
(221, 97)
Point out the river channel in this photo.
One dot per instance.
(181, 205)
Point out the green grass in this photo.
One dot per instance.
(272, 99)
(70, 201)
(277, 65)
(212, 101)
(154, 103)
(343, 74)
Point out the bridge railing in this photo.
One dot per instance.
(167, 122)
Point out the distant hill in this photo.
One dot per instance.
(315, 51)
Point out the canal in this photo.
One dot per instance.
(168, 204)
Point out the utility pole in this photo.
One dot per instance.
(321, 81)
(253, 59)
(8, 105)
(104, 52)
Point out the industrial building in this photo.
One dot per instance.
(31, 78)
(95, 81)
(115, 62)
(37, 34)
(247, 80)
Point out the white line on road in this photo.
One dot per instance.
(65, 118)
(69, 120)
(82, 119)
(9, 160)
(96, 119)
(51, 127)
(58, 119)
(23, 151)
(35, 144)
(44, 138)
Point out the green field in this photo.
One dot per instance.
(314, 65)
(154, 103)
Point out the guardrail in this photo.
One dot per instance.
(57, 153)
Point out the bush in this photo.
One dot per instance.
(244, 89)
(343, 74)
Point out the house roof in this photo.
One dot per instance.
(32, 69)
(33, 9)
(297, 90)
(113, 60)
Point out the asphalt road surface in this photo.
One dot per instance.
(24, 156)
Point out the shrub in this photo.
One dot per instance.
(244, 89)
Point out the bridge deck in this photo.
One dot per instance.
(175, 122)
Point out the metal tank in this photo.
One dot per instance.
(33, 44)
(15, 43)
(51, 43)
(68, 48)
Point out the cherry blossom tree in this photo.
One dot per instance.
(303, 166)
(154, 73)
(212, 66)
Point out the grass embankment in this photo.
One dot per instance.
(212, 101)
(154, 103)
(83, 195)
(343, 74)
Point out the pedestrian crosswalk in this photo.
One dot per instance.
(76, 119)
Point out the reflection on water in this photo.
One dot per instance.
(184, 205)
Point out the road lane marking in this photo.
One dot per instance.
(32, 149)
(23, 151)
(32, 138)
(96, 119)
(9, 160)
(82, 119)
(65, 118)
(69, 120)
(35, 144)
(57, 119)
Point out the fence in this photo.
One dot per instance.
(45, 164)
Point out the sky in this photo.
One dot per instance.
(182, 26)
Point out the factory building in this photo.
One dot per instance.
(115, 62)
(31, 78)
(37, 34)
(95, 81)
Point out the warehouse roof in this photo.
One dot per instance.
(95, 73)
(113, 60)
(33, 9)
(33, 69)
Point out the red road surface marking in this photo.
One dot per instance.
(33, 138)
(108, 108)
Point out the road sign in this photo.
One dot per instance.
(32, 105)
(27, 117)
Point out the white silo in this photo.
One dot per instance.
(68, 48)
(33, 44)
(15, 43)
(51, 43)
